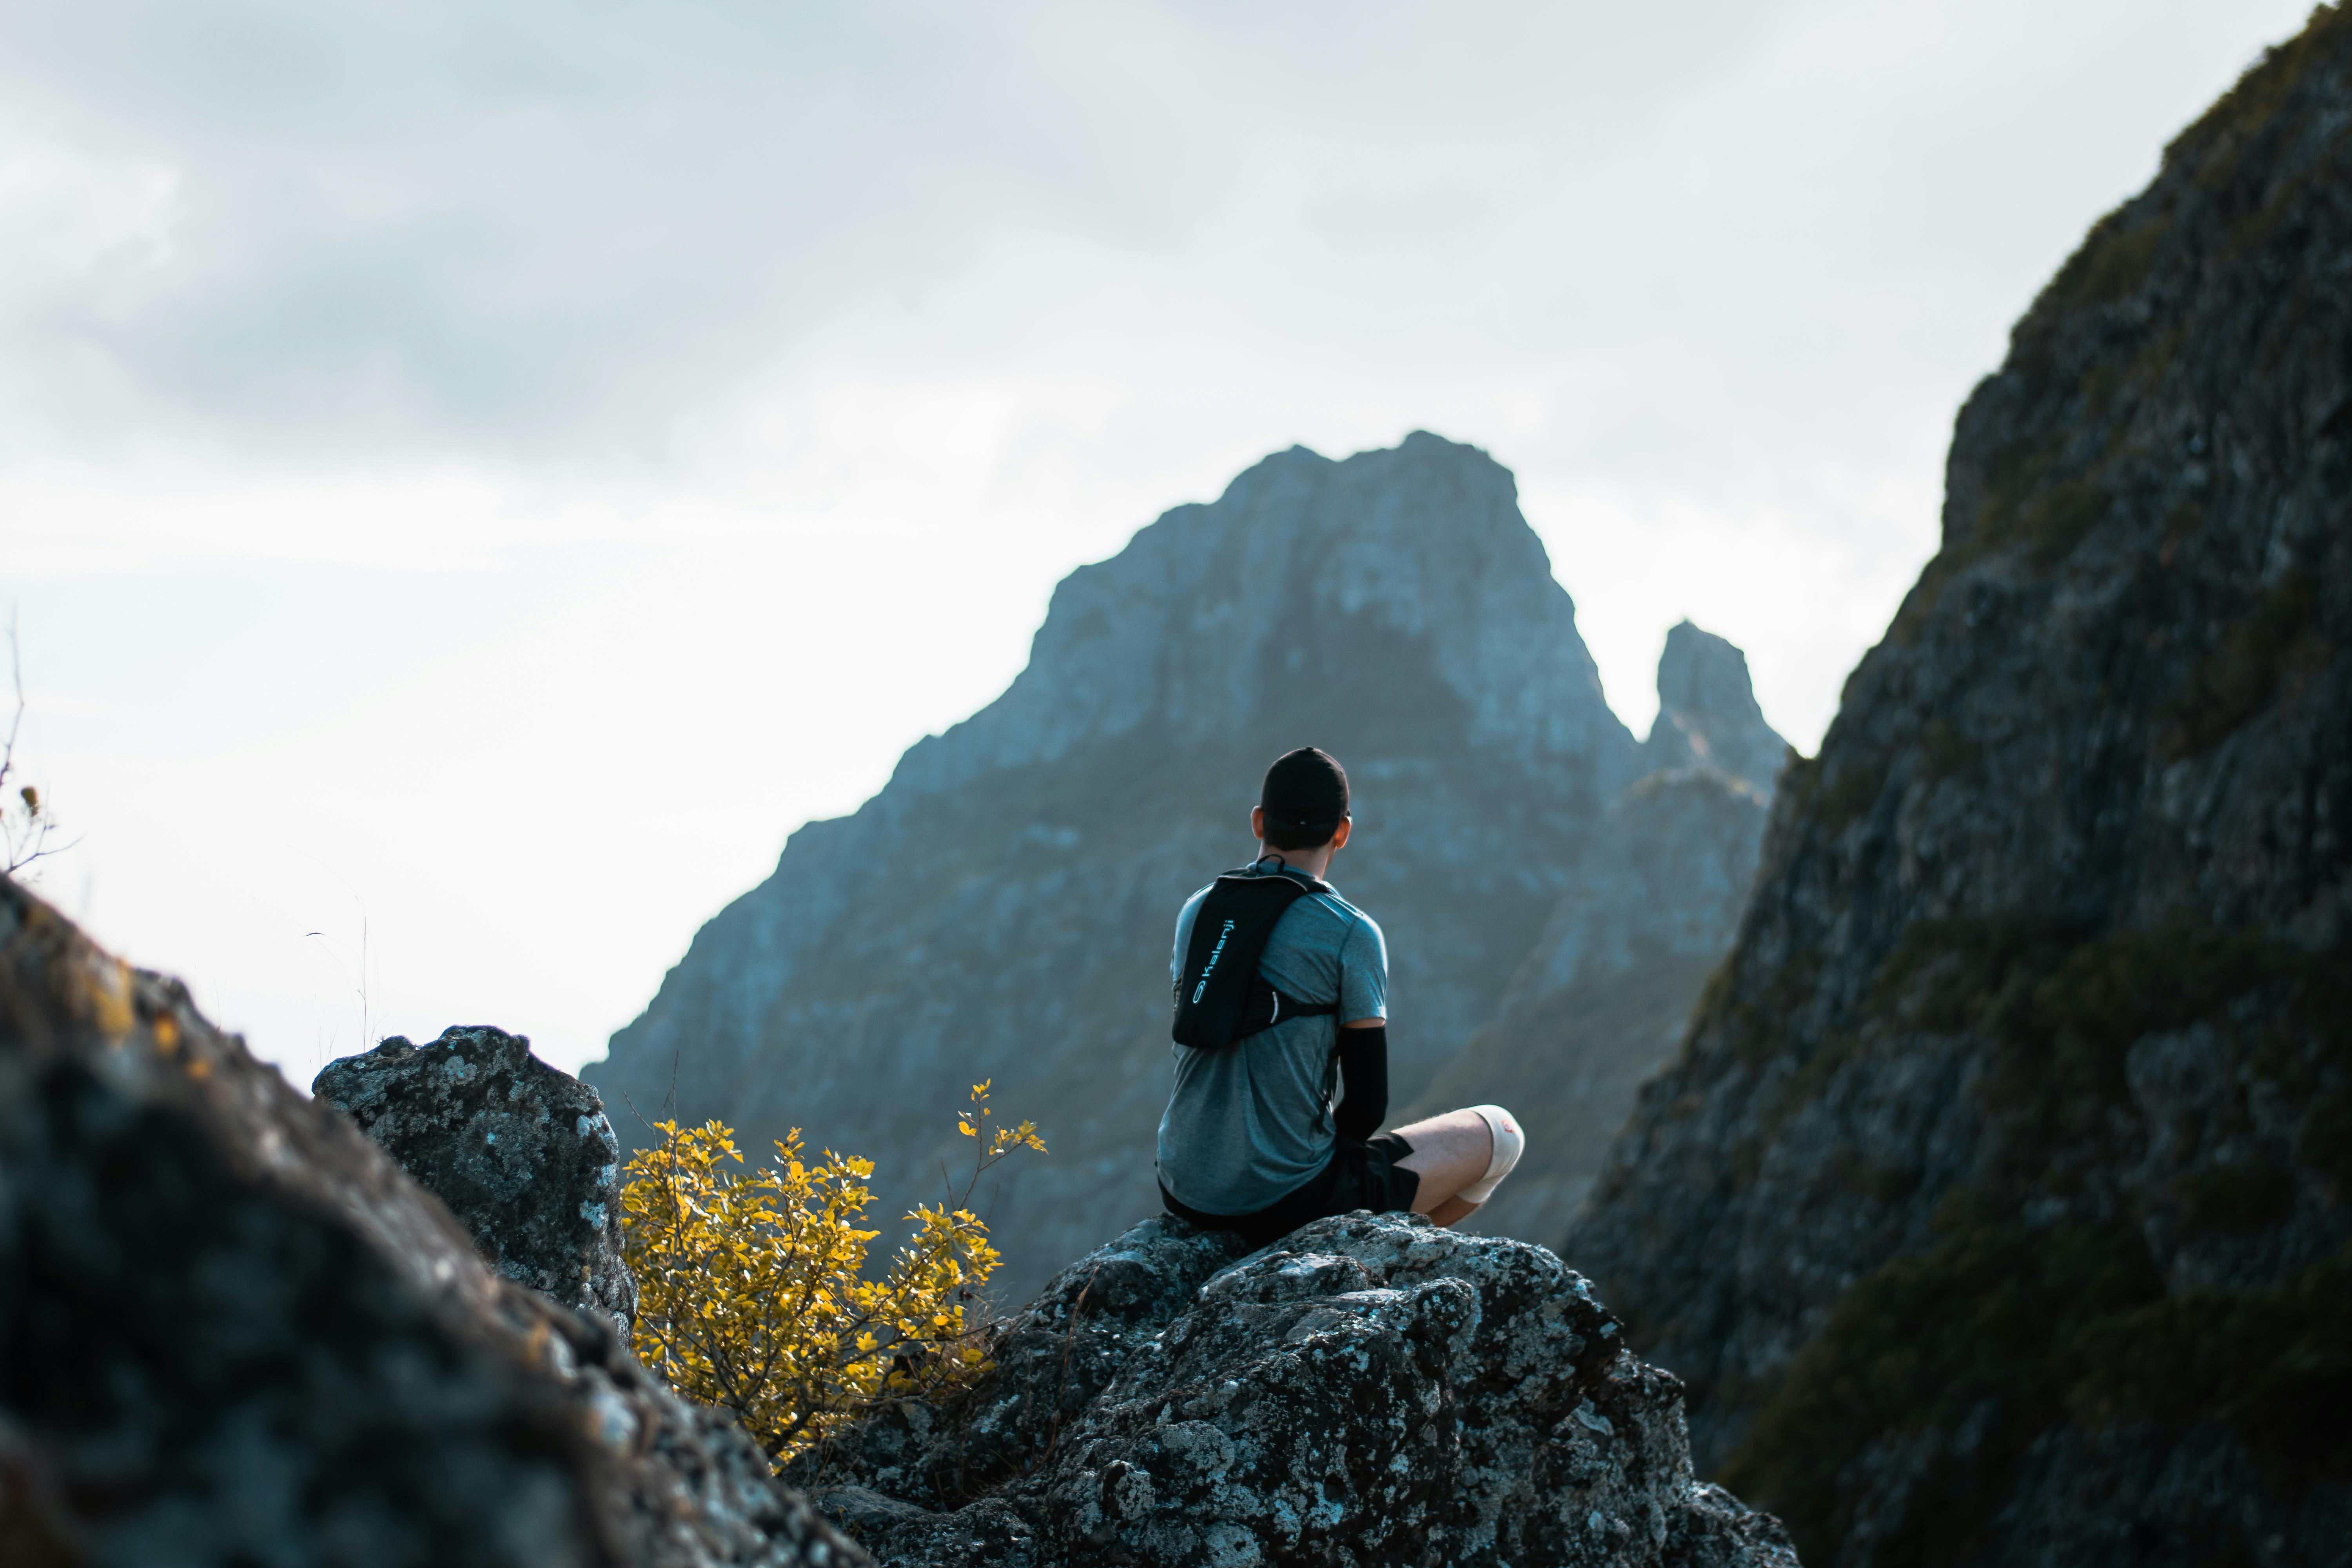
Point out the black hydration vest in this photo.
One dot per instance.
(1220, 998)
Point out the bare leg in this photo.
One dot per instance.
(1454, 1211)
(1449, 1153)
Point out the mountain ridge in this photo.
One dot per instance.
(1001, 908)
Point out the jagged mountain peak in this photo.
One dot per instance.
(1708, 712)
(1669, 870)
(1391, 594)
(1393, 607)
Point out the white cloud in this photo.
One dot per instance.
(503, 470)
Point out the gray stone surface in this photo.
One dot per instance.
(1370, 1390)
(232, 1332)
(1053, 1359)
(521, 1153)
(1004, 908)
(2029, 1083)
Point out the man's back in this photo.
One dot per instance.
(1250, 1122)
(1251, 1142)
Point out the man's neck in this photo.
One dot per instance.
(1312, 862)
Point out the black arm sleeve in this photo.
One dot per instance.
(1364, 1066)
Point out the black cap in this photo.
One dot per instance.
(1306, 793)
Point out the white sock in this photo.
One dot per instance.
(1509, 1143)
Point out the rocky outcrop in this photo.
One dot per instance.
(232, 1331)
(1997, 1208)
(1652, 903)
(1004, 908)
(1708, 719)
(1369, 1389)
(521, 1153)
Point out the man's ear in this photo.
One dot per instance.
(1257, 823)
(1339, 839)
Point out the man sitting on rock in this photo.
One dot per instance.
(1281, 999)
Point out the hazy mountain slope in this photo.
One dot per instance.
(1601, 1001)
(1997, 1208)
(1002, 908)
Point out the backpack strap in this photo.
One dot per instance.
(1266, 1006)
(1220, 998)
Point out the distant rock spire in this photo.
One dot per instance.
(1708, 715)
(1651, 904)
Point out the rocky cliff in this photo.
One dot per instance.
(1997, 1205)
(232, 1332)
(1002, 908)
(1601, 1001)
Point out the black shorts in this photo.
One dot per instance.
(1357, 1176)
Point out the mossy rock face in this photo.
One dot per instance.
(2274, 1363)
(2275, 642)
(1965, 1351)
(2039, 1296)
(1996, 1208)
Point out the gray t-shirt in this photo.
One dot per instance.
(1251, 1123)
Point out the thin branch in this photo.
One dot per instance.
(28, 841)
(16, 676)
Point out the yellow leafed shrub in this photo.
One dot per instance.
(752, 1288)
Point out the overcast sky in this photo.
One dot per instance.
(485, 474)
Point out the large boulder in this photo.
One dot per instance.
(1371, 1389)
(521, 1153)
(233, 1331)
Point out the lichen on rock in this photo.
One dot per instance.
(1370, 1389)
(521, 1153)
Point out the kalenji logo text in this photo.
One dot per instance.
(1211, 967)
